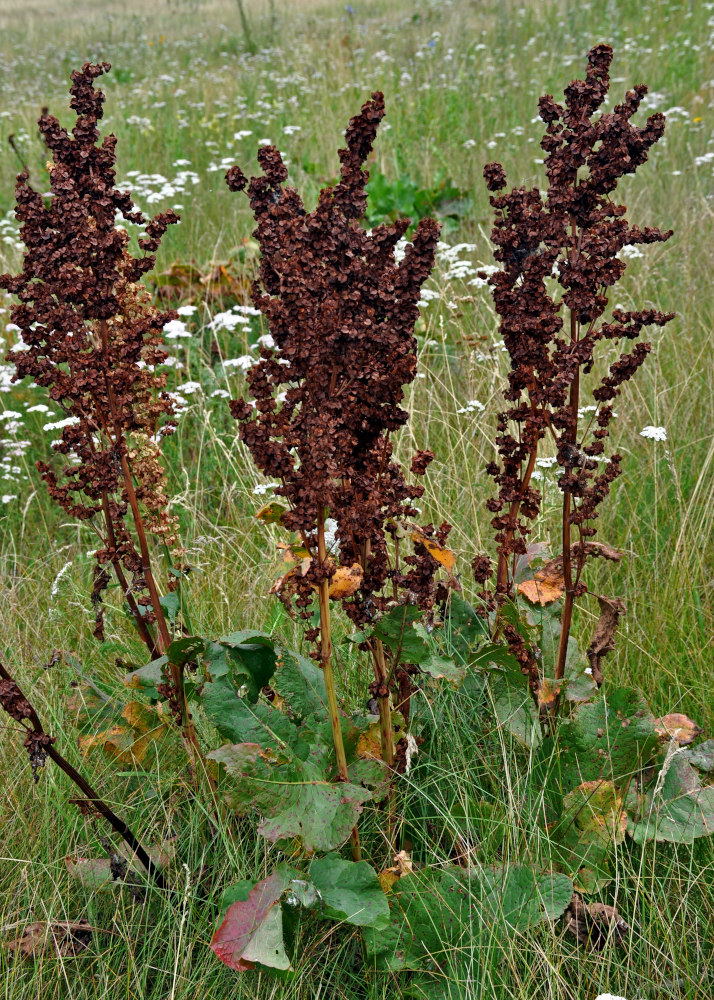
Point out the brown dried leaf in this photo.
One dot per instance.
(63, 939)
(549, 691)
(594, 923)
(679, 727)
(603, 640)
(346, 581)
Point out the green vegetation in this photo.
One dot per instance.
(190, 94)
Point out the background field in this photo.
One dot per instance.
(190, 93)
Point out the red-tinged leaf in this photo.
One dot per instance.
(251, 931)
(678, 727)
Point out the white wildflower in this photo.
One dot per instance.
(186, 310)
(656, 433)
(175, 328)
(472, 406)
(59, 424)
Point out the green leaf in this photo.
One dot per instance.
(396, 630)
(702, 757)
(440, 916)
(677, 809)
(187, 648)
(296, 798)
(593, 822)
(171, 605)
(301, 683)
(516, 712)
(463, 627)
(350, 891)
(610, 739)
(251, 932)
(246, 659)
(148, 678)
(241, 722)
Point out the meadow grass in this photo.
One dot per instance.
(461, 83)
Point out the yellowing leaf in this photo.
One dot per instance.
(546, 586)
(346, 581)
(271, 513)
(679, 727)
(445, 557)
(549, 691)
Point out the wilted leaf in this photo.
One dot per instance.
(91, 706)
(595, 924)
(350, 891)
(148, 678)
(548, 691)
(593, 822)
(346, 581)
(271, 513)
(678, 727)
(62, 939)
(603, 640)
(129, 744)
(252, 929)
(93, 873)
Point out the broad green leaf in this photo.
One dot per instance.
(239, 721)
(516, 712)
(702, 757)
(185, 649)
(301, 683)
(610, 739)
(440, 916)
(580, 685)
(171, 605)
(296, 798)
(246, 659)
(396, 630)
(677, 809)
(350, 891)
(252, 929)
(463, 627)
(442, 668)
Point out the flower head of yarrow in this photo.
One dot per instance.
(93, 338)
(328, 385)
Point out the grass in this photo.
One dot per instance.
(181, 87)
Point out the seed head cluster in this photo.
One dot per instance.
(341, 314)
(558, 252)
(91, 335)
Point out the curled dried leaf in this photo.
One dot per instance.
(346, 581)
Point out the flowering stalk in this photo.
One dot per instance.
(341, 312)
(571, 235)
(93, 339)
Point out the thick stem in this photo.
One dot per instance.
(386, 733)
(326, 663)
(502, 584)
(567, 616)
(90, 794)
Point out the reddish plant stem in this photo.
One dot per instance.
(326, 663)
(90, 794)
(142, 627)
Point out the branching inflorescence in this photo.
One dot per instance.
(92, 338)
(341, 314)
(570, 237)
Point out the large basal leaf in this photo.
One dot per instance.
(295, 798)
(240, 721)
(350, 891)
(677, 809)
(611, 739)
(252, 929)
(301, 683)
(579, 684)
(442, 916)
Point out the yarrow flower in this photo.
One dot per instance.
(656, 433)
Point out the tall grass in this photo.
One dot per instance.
(454, 106)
